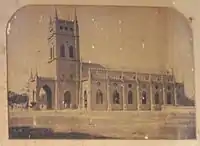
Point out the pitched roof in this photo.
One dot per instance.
(86, 65)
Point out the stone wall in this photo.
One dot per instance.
(132, 91)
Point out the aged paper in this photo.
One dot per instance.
(64, 83)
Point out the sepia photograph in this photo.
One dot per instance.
(100, 72)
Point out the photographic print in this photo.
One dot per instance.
(99, 72)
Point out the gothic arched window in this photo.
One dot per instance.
(71, 51)
(62, 51)
(85, 94)
(130, 97)
(33, 95)
(144, 97)
(157, 100)
(85, 98)
(67, 99)
(116, 98)
(99, 97)
(169, 98)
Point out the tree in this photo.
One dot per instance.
(17, 98)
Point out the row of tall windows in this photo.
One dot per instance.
(116, 97)
(63, 51)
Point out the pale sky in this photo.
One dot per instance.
(119, 37)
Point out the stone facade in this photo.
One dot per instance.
(77, 84)
(117, 90)
(105, 89)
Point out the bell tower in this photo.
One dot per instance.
(63, 40)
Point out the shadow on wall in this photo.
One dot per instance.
(185, 101)
(182, 99)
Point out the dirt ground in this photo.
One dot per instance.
(120, 125)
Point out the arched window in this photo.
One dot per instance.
(85, 94)
(85, 99)
(33, 95)
(62, 51)
(116, 99)
(67, 99)
(49, 98)
(169, 98)
(144, 97)
(71, 51)
(157, 100)
(99, 97)
(130, 97)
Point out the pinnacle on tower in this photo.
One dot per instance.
(75, 16)
(31, 75)
(36, 73)
(56, 13)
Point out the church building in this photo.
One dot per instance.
(81, 85)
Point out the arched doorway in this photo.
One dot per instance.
(67, 99)
(48, 92)
(43, 99)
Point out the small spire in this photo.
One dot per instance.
(75, 16)
(56, 13)
(36, 73)
(31, 75)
